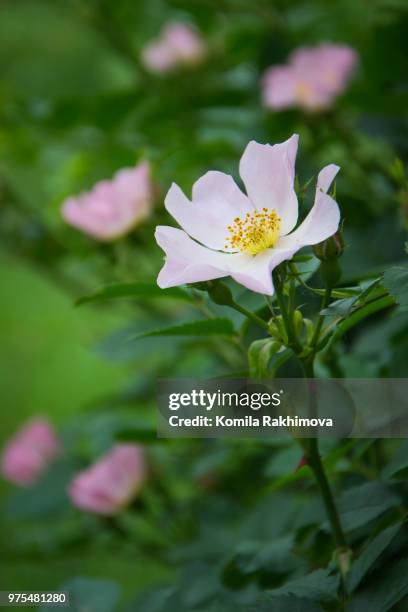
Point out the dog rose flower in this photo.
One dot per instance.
(112, 208)
(312, 78)
(112, 482)
(29, 452)
(178, 44)
(227, 233)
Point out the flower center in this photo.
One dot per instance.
(304, 92)
(254, 233)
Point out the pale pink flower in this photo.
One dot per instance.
(112, 482)
(178, 44)
(228, 233)
(29, 452)
(112, 208)
(312, 78)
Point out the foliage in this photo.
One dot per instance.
(221, 525)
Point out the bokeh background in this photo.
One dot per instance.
(77, 104)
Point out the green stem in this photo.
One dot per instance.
(319, 472)
(316, 464)
(250, 315)
(320, 320)
(288, 321)
(311, 445)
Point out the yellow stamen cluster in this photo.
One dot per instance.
(254, 233)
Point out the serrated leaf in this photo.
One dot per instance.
(316, 586)
(396, 283)
(134, 291)
(206, 327)
(362, 566)
(385, 592)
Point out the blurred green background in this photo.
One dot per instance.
(75, 105)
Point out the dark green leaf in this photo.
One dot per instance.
(143, 436)
(285, 604)
(385, 592)
(396, 283)
(91, 595)
(359, 315)
(362, 566)
(398, 463)
(134, 291)
(317, 586)
(276, 556)
(206, 327)
(363, 503)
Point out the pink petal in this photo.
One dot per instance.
(324, 218)
(29, 452)
(186, 260)
(111, 483)
(216, 202)
(255, 273)
(279, 87)
(112, 208)
(189, 262)
(268, 173)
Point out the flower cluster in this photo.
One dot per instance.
(106, 487)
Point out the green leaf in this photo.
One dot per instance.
(398, 463)
(265, 359)
(367, 290)
(91, 595)
(139, 434)
(206, 327)
(396, 283)
(253, 555)
(363, 503)
(362, 566)
(134, 291)
(284, 604)
(317, 586)
(359, 315)
(47, 497)
(384, 592)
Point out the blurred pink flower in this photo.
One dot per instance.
(29, 452)
(112, 482)
(312, 78)
(112, 208)
(178, 44)
(228, 233)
